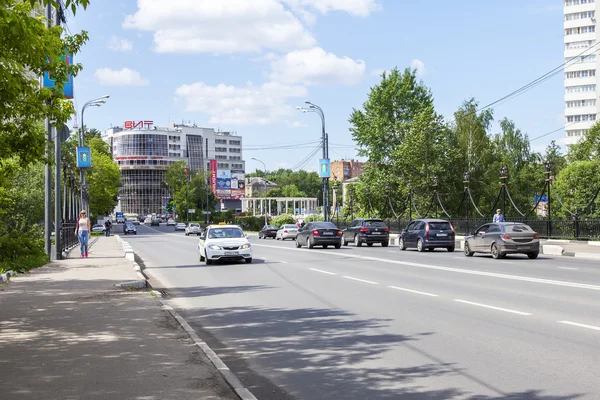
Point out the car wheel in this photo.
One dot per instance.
(356, 241)
(450, 248)
(248, 260)
(276, 238)
(337, 246)
(385, 244)
(533, 256)
(209, 262)
(310, 244)
(135, 233)
(401, 244)
(345, 243)
(298, 245)
(201, 257)
(420, 246)
(467, 250)
(187, 234)
(496, 253)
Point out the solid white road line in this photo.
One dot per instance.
(449, 269)
(491, 307)
(569, 268)
(321, 271)
(413, 291)
(361, 280)
(596, 328)
(283, 262)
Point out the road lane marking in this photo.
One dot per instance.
(413, 291)
(283, 262)
(346, 254)
(361, 280)
(569, 268)
(321, 271)
(491, 307)
(596, 328)
(460, 258)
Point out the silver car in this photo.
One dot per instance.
(192, 229)
(503, 238)
(287, 232)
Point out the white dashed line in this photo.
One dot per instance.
(361, 280)
(595, 328)
(491, 307)
(413, 291)
(569, 268)
(321, 271)
(283, 262)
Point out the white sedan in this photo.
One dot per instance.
(192, 229)
(287, 232)
(224, 243)
(180, 226)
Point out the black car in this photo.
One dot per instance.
(319, 234)
(268, 231)
(428, 234)
(129, 228)
(366, 230)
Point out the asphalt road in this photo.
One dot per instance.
(379, 323)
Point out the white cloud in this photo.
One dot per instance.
(122, 77)
(117, 44)
(224, 26)
(361, 8)
(246, 105)
(315, 66)
(419, 66)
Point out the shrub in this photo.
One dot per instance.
(22, 252)
(314, 218)
(283, 219)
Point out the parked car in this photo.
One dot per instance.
(155, 222)
(319, 234)
(128, 228)
(366, 230)
(98, 228)
(170, 222)
(180, 226)
(268, 231)
(503, 238)
(428, 234)
(192, 229)
(287, 232)
(224, 243)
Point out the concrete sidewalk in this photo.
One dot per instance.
(66, 332)
(571, 248)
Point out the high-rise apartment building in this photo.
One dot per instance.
(144, 151)
(581, 80)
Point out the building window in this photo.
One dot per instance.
(578, 2)
(581, 118)
(580, 88)
(237, 166)
(582, 44)
(581, 103)
(235, 142)
(580, 59)
(220, 157)
(580, 74)
(221, 149)
(580, 30)
(580, 15)
(223, 165)
(220, 141)
(234, 150)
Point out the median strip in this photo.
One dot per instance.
(492, 307)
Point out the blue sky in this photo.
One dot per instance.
(244, 65)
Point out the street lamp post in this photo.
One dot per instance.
(92, 103)
(325, 143)
(265, 180)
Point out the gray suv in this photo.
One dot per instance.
(427, 234)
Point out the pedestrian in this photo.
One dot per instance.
(107, 227)
(82, 231)
(498, 217)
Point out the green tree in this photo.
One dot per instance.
(588, 148)
(292, 190)
(28, 50)
(556, 158)
(576, 186)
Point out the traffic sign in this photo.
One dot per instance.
(206, 212)
(192, 211)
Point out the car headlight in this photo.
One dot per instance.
(214, 247)
(246, 246)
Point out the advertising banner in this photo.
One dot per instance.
(324, 168)
(213, 176)
(84, 157)
(68, 85)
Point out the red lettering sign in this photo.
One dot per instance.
(138, 124)
(213, 176)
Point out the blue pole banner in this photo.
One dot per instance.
(84, 157)
(49, 82)
(324, 168)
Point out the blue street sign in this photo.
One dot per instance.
(84, 157)
(324, 168)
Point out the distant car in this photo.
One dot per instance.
(192, 229)
(268, 231)
(287, 232)
(155, 222)
(224, 243)
(180, 226)
(428, 234)
(503, 238)
(129, 228)
(366, 230)
(319, 234)
(170, 222)
(98, 228)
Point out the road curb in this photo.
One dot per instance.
(223, 369)
(128, 253)
(5, 277)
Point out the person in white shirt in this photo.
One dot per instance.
(498, 217)
(82, 231)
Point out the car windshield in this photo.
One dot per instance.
(270, 227)
(439, 226)
(518, 228)
(194, 225)
(375, 224)
(225, 233)
(324, 225)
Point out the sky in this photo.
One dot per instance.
(245, 65)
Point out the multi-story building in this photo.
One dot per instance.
(144, 151)
(581, 80)
(345, 169)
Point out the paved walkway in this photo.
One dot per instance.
(67, 333)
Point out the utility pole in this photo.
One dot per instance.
(265, 181)
(48, 169)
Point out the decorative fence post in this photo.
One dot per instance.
(466, 177)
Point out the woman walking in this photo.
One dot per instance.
(82, 231)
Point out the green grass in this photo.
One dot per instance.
(24, 263)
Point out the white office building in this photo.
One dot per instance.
(581, 79)
(143, 151)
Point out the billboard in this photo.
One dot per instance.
(238, 184)
(213, 176)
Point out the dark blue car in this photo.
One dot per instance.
(427, 234)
